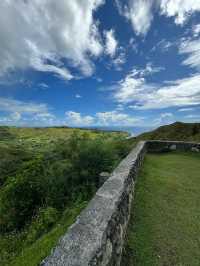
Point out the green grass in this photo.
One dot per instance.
(32, 255)
(164, 226)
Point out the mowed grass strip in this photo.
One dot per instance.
(164, 226)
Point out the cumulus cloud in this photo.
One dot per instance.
(133, 85)
(141, 12)
(43, 34)
(164, 118)
(181, 10)
(115, 118)
(141, 95)
(77, 119)
(110, 118)
(12, 105)
(45, 117)
(16, 112)
(111, 43)
(136, 91)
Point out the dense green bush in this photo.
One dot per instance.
(12, 159)
(22, 195)
(55, 178)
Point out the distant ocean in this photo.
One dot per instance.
(133, 131)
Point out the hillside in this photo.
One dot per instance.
(176, 131)
(47, 175)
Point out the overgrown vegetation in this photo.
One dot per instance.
(45, 173)
(177, 131)
(165, 220)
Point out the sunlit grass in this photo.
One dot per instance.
(165, 221)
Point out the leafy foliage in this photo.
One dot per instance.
(41, 178)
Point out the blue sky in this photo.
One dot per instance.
(96, 63)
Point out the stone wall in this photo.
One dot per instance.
(165, 146)
(97, 236)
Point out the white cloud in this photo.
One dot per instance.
(119, 61)
(11, 118)
(78, 96)
(16, 116)
(164, 115)
(45, 117)
(17, 112)
(115, 118)
(194, 116)
(134, 85)
(77, 119)
(13, 106)
(111, 43)
(43, 33)
(135, 90)
(163, 45)
(196, 30)
(141, 12)
(186, 109)
(43, 85)
(133, 45)
(180, 9)
(192, 49)
(120, 107)
(110, 118)
(128, 89)
(164, 118)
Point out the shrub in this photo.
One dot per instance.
(42, 223)
(22, 195)
(56, 178)
(93, 158)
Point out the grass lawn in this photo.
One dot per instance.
(164, 226)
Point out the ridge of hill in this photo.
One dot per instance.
(176, 131)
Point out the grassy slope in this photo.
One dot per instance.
(165, 223)
(19, 145)
(176, 131)
(44, 138)
(32, 255)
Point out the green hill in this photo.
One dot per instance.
(176, 131)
